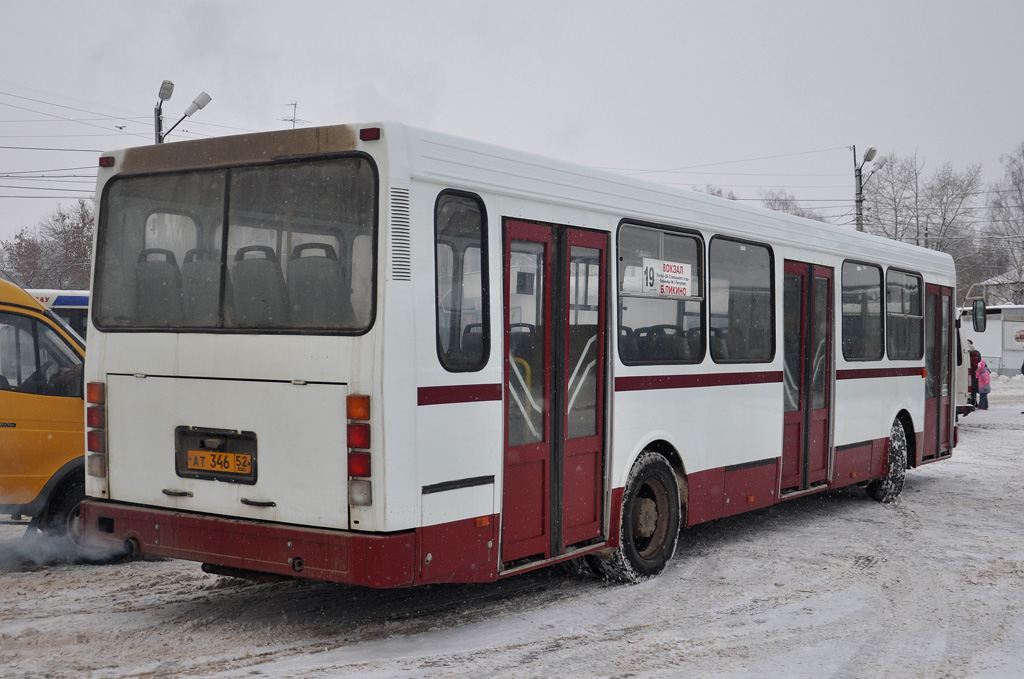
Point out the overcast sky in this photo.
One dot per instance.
(743, 95)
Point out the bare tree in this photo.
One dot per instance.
(892, 197)
(1006, 228)
(784, 201)
(947, 209)
(25, 260)
(713, 190)
(54, 254)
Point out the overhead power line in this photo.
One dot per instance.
(40, 148)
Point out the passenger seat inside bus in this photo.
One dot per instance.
(472, 349)
(317, 288)
(663, 343)
(628, 350)
(260, 297)
(200, 284)
(157, 288)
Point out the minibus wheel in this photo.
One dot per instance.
(62, 523)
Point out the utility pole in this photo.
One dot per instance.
(859, 181)
(166, 90)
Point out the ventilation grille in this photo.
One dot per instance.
(401, 243)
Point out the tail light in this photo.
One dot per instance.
(96, 434)
(360, 490)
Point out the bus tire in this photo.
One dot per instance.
(63, 525)
(650, 523)
(889, 487)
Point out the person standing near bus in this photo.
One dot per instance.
(984, 381)
(975, 357)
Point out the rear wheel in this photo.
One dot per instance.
(889, 487)
(63, 523)
(650, 523)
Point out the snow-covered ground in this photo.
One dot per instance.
(832, 585)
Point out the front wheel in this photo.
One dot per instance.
(889, 487)
(650, 522)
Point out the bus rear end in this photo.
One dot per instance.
(232, 375)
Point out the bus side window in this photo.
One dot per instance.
(862, 312)
(904, 321)
(462, 313)
(660, 280)
(742, 315)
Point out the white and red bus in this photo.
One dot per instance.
(384, 356)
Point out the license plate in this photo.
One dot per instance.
(215, 454)
(223, 463)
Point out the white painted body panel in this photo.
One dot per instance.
(301, 446)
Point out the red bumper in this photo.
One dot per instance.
(372, 560)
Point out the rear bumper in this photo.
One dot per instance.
(372, 560)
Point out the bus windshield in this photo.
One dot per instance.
(286, 247)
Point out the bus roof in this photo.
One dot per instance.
(477, 166)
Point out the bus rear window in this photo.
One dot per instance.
(284, 247)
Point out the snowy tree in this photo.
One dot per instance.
(54, 254)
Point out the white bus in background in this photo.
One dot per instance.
(71, 306)
(383, 356)
(1001, 344)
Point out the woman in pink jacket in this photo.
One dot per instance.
(984, 385)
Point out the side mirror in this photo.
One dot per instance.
(978, 315)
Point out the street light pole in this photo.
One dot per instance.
(166, 90)
(859, 181)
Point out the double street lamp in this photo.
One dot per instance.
(166, 90)
(860, 182)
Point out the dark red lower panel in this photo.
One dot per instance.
(705, 493)
(459, 551)
(615, 529)
(853, 464)
(750, 487)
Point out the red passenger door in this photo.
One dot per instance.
(807, 375)
(554, 289)
(938, 341)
